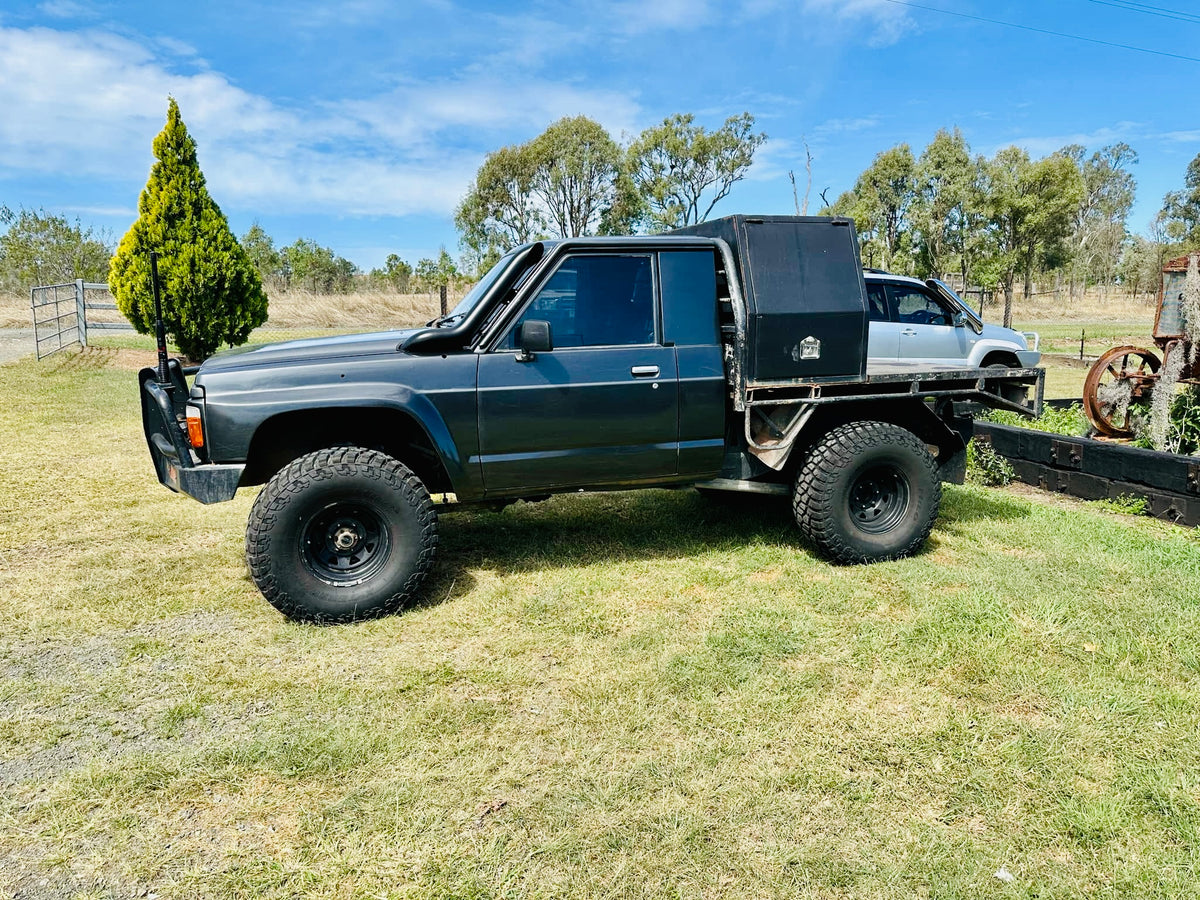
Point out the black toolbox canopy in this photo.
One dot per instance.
(801, 277)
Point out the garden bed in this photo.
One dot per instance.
(1092, 469)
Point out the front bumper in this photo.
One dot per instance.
(174, 462)
(1029, 359)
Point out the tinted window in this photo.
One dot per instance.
(915, 306)
(689, 296)
(596, 301)
(877, 303)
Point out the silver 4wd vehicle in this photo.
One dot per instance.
(927, 322)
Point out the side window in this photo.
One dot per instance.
(877, 303)
(688, 281)
(595, 301)
(916, 307)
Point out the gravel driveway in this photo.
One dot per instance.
(15, 343)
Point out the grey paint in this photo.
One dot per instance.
(572, 417)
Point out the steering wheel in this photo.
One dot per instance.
(920, 317)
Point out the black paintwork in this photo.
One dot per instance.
(493, 422)
(1098, 470)
(802, 278)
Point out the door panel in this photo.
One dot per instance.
(883, 335)
(603, 408)
(578, 417)
(926, 328)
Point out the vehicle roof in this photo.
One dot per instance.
(876, 275)
(631, 241)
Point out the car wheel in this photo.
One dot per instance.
(868, 491)
(341, 535)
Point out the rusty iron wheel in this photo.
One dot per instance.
(1135, 365)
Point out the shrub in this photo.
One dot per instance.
(211, 293)
(1181, 429)
(1069, 421)
(987, 467)
(1127, 504)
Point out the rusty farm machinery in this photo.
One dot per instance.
(1125, 376)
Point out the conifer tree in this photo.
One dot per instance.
(211, 292)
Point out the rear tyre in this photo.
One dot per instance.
(868, 491)
(341, 535)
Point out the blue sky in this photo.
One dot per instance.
(360, 123)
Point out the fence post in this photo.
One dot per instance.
(80, 312)
(442, 297)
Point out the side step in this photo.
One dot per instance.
(744, 487)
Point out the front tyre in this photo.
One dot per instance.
(341, 535)
(868, 491)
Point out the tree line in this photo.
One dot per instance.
(310, 266)
(38, 247)
(1008, 219)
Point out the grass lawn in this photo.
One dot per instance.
(629, 695)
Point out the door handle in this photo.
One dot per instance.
(644, 371)
(908, 331)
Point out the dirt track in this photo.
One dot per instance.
(15, 343)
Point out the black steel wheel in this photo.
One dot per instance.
(878, 499)
(868, 491)
(345, 543)
(341, 535)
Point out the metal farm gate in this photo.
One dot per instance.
(60, 314)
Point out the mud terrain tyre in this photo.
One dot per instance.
(867, 492)
(341, 535)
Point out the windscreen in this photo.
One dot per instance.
(467, 303)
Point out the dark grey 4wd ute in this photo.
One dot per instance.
(731, 356)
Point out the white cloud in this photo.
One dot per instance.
(1043, 145)
(638, 17)
(89, 104)
(67, 9)
(845, 126)
(1180, 137)
(887, 22)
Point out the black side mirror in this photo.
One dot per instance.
(533, 336)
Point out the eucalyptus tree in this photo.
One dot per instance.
(500, 210)
(575, 172)
(682, 170)
(1098, 230)
(880, 203)
(1029, 207)
(1181, 209)
(947, 209)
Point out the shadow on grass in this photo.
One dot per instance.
(569, 531)
(961, 506)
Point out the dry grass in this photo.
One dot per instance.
(302, 309)
(14, 311)
(1094, 306)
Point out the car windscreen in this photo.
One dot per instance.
(940, 287)
(467, 303)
